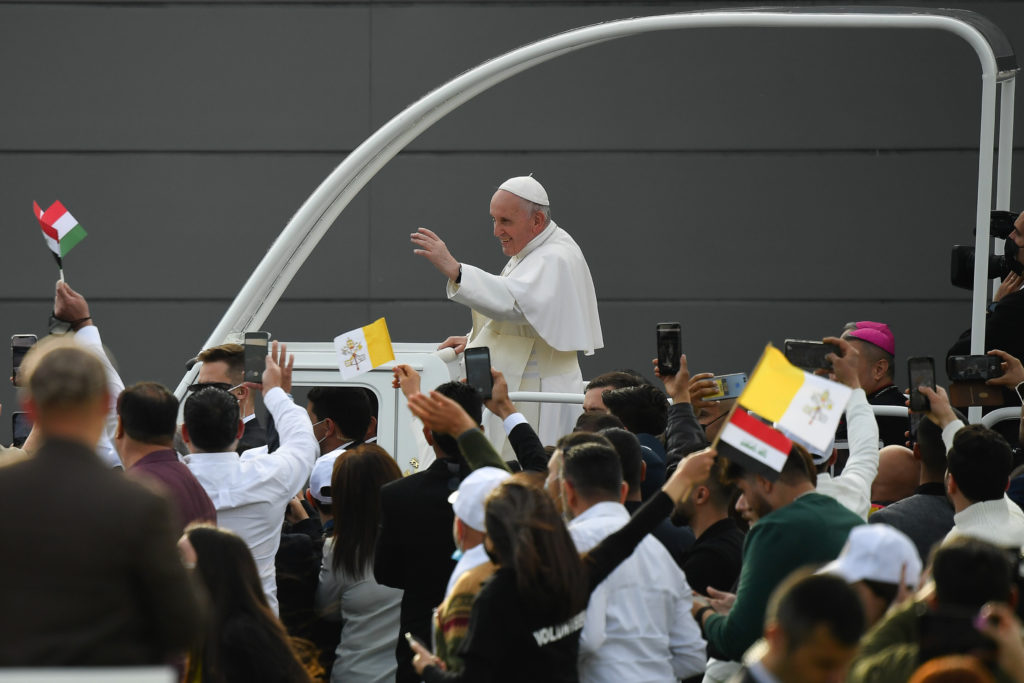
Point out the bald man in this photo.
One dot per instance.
(898, 474)
(536, 315)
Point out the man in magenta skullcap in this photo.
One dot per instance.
(877, 372)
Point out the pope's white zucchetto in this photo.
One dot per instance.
(526, 187)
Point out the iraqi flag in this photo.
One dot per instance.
(753, 445)
(363, 349)
(60, 229)
(806, 405)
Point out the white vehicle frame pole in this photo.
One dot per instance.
(317, 214)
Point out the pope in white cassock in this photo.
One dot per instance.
(536, 315)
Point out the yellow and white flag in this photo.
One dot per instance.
(363, 349)
(807, 405)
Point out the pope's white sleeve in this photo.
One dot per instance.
(89, 338)
(298, 450)
(486, 294)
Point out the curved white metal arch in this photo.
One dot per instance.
(300, 236)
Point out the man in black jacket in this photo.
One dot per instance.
(415, 546)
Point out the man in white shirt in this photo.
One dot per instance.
(250, 493)
(638, 625)
(537, 314)
(979, 462)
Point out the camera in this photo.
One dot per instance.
(961, 272)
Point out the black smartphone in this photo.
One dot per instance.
(670, 347)
(921, 371)
(21, 425)
(20, 344)
(973, 368)
(478, 370)
(809, 355)
(256, 344)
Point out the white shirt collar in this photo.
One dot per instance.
(606, 509)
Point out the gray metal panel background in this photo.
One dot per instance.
(716, 179)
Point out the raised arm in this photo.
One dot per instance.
(527, 445)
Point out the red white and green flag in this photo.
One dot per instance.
(60, 229)
(753, 445)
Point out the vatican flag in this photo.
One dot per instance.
(363, 349)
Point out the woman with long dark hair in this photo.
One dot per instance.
(526, 620)
(244, 641)
(347, 589)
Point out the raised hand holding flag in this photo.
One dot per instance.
(60, 230)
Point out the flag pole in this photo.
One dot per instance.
(60, 266)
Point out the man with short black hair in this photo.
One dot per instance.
(643, 409)
(977, 476)
(111, 589)
(927, 516)
(812, 626)
(676, 539)
(716, 556)
(251, 492)
(593, 395)
(147, 421)
(223, 367)
(637, 625)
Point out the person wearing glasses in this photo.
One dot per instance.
(251, 493)
(224, 367)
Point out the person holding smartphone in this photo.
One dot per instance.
(536, 315)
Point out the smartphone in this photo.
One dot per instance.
(256, 344)
(728, 386)
(670, 347)
(478, 370)
(20, 344)
(921, 371)
(973, 368)
(809, 355)
(21, 425)
(966, 394)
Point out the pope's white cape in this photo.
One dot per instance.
(555, 292)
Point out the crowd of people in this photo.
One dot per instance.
(620, 547)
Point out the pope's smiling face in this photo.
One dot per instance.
(514, 226)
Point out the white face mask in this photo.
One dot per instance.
(321, 440)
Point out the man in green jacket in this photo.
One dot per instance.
(797, 527)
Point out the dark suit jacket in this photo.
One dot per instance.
(415, 546)
(104, 584)
(528, 448)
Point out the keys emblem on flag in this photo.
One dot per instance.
(819, 407)
(352, 350)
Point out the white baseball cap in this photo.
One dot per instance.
(877, 552)
(320, 478)
(468, 501)
(526, 187)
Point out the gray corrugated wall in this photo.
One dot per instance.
(752, 184)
